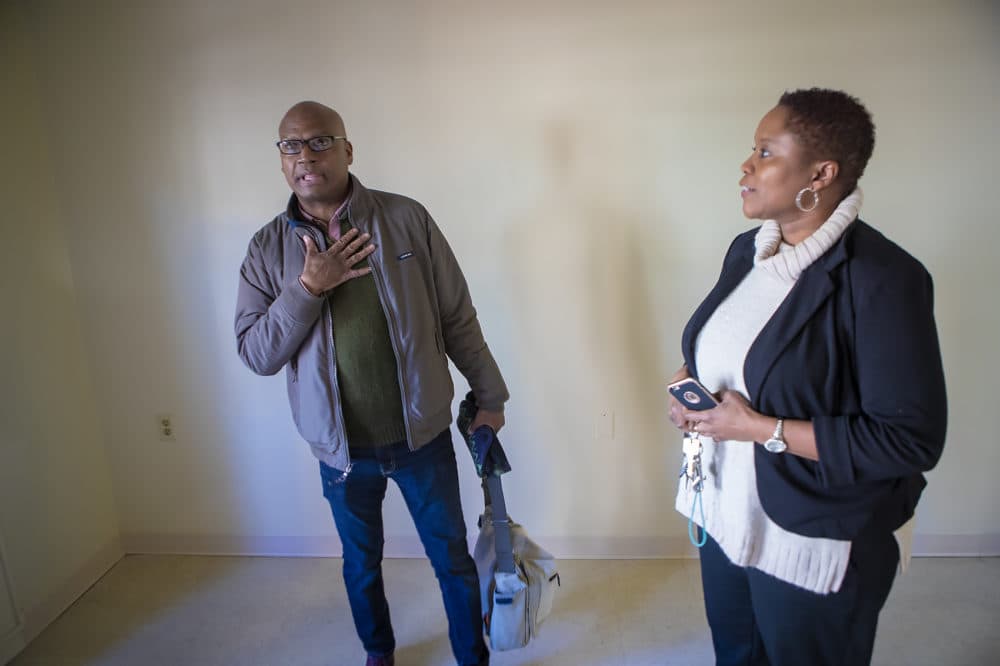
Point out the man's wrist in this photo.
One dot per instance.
(309, 290)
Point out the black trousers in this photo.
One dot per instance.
(758, 620)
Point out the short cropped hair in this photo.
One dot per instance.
(832, 125)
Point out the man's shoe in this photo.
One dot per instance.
(387, 660)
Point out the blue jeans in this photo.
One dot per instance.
(428, 479)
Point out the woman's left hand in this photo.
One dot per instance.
(733, 419)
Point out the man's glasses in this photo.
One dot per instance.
(316, 144)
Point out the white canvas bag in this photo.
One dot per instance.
(517, 577)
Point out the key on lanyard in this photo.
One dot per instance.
(691, 468)
(694, 479)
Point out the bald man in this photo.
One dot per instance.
(357, 295)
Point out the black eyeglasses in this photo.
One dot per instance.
(316, 144)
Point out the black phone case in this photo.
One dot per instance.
(690, 393)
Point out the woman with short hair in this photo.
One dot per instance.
(820, 343)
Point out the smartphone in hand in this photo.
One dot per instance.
(690, 393)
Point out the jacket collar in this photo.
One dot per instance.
(811, 290)
(358, 206)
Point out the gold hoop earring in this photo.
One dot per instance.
(798, 199)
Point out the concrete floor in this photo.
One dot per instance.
(211, 611)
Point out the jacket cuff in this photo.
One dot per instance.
(298, 303)
(833, 443)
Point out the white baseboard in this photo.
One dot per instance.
(256, 546)
(618, 548)
(38, 617)
(398, 546)
(956, 545)
(570, 548)
(12, 644)
(218, 544)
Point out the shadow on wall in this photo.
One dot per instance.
(589, 363)
(193, 370)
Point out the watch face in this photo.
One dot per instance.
(775, 445)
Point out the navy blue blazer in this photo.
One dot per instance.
(854, 349)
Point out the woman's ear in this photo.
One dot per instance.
(824, 174)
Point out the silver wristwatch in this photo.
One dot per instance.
(777, 443)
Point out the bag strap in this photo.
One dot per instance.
(493, 494)
(491, 462)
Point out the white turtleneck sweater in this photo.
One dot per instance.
(733, 514)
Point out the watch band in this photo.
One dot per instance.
(777, 443)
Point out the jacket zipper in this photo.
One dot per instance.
(347, 470)
(393, 331)
(322, 243)
(336, 395)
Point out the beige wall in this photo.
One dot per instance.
(57, 515)
(581, 158)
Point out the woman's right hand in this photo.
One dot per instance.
(676, 410)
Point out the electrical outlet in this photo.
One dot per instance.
(165, 427)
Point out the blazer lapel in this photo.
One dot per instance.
(811, 290)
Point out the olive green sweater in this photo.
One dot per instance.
(366, 364)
